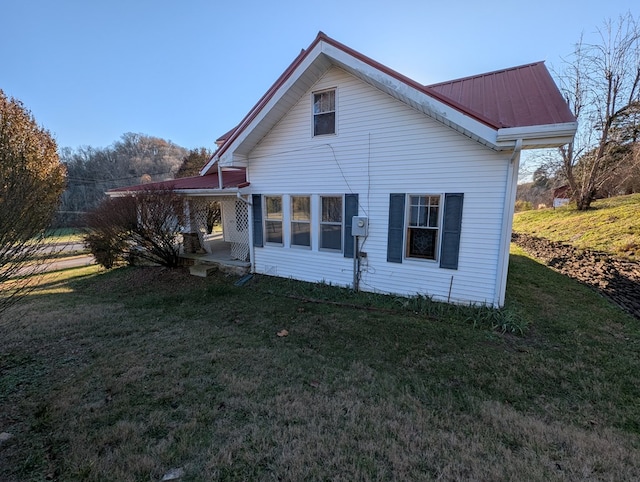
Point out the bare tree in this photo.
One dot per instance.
(601, 82)
(31, 182)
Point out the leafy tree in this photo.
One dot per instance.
(195, 160)
(601, 82)
(192, 163)
(31, 182)
(145, 226)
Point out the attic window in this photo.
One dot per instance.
(324, 113)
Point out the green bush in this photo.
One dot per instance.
(522, 205)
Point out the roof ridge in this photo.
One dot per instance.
(484, 74)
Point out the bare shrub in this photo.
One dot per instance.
(144, 226)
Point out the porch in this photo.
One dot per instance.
(216, 242)
(216, 258)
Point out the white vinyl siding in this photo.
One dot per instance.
(384, 147)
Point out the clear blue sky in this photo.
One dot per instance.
(189, 70)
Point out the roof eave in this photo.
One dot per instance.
(184, 192)
(535, 137)
(208, 192)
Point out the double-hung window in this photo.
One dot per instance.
(324, 112)
(273, 219)
(423, 226)
(331, 222)
(300, 221)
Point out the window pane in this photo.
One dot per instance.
(274, 207)
(324, 124)
(433, 216)
(274, 231)
(413, 216)
(330, 236)
(300, 208)
(332, 209)
(422, 243)
(301, 234)
(324, 102)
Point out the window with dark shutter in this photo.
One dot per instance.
(426, 230)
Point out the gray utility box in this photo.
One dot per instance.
(359, 226)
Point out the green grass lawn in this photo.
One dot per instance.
(613, 225)
(64, 235)
(125, 375)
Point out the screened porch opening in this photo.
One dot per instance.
(217, 230)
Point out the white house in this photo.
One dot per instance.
(428, 172)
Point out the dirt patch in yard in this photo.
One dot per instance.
(615, 278)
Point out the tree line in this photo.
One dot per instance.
(133, 159)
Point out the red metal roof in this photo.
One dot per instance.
(230, 178)
(516, 97)
(223, 138)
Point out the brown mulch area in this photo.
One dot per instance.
(615, 278)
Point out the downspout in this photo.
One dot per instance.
(220, 183)
(507, 223)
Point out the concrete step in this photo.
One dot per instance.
(202, 270)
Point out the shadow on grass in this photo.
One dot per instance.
(137, 371)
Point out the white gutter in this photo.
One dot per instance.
(547, 131)
(187, 192)
(507, 224)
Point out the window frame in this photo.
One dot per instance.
(293, 221)
(334, 112)
(408, 226)
(267, 219)
(322, 223)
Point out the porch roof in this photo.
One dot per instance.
(231, 179)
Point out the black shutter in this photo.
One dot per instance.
(257, 220)
(451, 228)
(350, 210)
(396, 228)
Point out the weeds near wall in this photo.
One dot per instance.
(503, 320)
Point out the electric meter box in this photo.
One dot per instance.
(359, 226)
